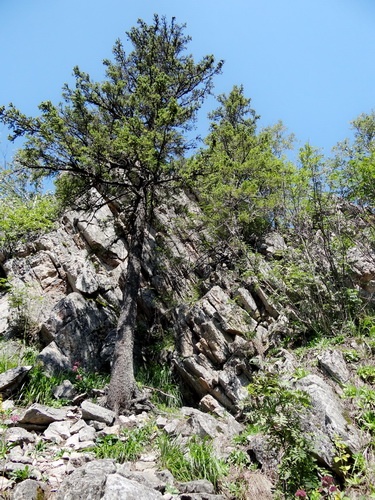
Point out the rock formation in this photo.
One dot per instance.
(222, 327)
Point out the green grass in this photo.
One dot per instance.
(26, 356)
(165, 391)
(197, 461)
(8, 362)
(127, 447)
(367, 373)
(39, 386)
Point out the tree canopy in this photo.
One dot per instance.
(241, 173)
(122, 136)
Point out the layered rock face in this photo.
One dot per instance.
(71, 281)
(222, 326)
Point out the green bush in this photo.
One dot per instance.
(21, 218)
(278, 409)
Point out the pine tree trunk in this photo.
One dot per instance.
(122, 386)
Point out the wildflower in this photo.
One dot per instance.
(332, 488)
(76, 366)
(327, 481)
(14, 418)
(301, 494)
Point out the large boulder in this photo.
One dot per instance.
(11, 379)
(78, 328)
(326, 421)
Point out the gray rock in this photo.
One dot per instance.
(53, 359)
(208, 404)
(274, 244)
(58, 431)
(148, 478)
(118, 487)
(87, 482)
(4, 315)
(65, 390)
(44, 269)
(333, 363)
(214, 343)
(38, 416)
(11, 379)
(197, 486)
(203, 425)
(78, 327)
(91, 411)
(326, 421)
(81, 275)
(30, 490)
(98, 230)
(246, 300)
(87, 433)
(18, 435)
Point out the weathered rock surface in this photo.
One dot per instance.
(11, 379)
(333, 363)
(78, 328)
(38, 416)
(91, 411)
(30, 490)
(326, 422)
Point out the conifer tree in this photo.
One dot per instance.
(122, 136)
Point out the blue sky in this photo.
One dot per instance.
(309, 63)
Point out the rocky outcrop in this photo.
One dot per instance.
(326, 422)
(77, 329)
(225, 327)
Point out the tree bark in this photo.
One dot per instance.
(122, 386)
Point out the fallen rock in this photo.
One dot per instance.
(58, 431)
(65, 390)
(333, 363)
(117, 487)
(30, 490)
(92, 411)
(11, 379)
(38, 416)
(18, 435)
(87, 482)
(198, 486)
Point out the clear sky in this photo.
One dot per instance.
(309, 63)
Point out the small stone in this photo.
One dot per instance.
(83, 445)
(57, 431)
(65, 390)
(87, 433)
(113, 429)
(18, 435)
(198, 486)
(77, 426)
(161, 422)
